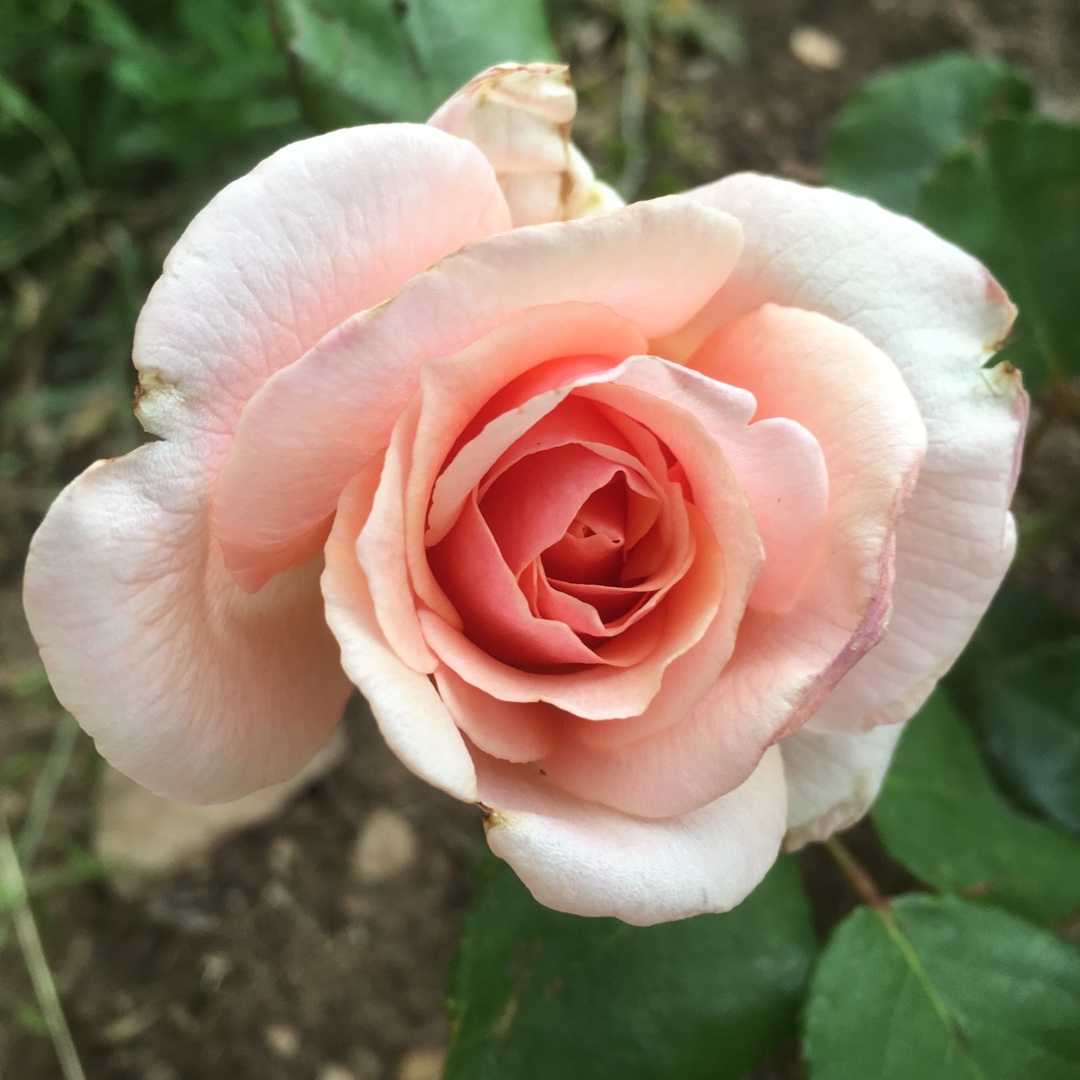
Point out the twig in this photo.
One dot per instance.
(856, 874)
(13, 885)
(41, 802)
(48, 783)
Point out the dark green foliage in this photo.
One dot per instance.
(537, 994)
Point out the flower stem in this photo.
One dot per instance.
(856, 875)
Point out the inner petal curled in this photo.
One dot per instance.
(574, 537)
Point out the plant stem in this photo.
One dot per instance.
(13, 885)
(857, 876)
(41, 802)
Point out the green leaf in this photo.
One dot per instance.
(935, 988)
(400, 59)
(1015, 204)
(1029, 717)
(1016, 619)
(940, 815)
(1035, 162)
(892, 135)
(1018, 684)
(952, 142)
(536, 994)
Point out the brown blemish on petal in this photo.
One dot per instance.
(156, 399)
(150, 383)
(494, 819)
(1004, 379)
(999, 298)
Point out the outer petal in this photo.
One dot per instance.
(193, 688)
(411, 716)
(652, 263)
(938, 314)
(586, 859)
(833, 779)
(320, 230)
(520, 115)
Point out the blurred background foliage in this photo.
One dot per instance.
(120, 118)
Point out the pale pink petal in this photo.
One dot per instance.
(601, 690)
(653, 264)
(938, 315)
(833, 779)
(851, 397)
(192, 687)
(509, 731)
(409, 711)
(291, 260)
(320, 230)
(382, 552)
(520, 116)
(582, 858)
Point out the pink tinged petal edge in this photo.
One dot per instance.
(833, 779)
(322, 229)
(410, 713)
(784, 665)
(586, 859)
(193, 688)
(938, 314)
(652, 263)
(520, 115)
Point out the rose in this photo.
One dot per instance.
(644, 529)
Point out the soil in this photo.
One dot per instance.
(268, 959)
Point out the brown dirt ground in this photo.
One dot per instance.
(266, 960)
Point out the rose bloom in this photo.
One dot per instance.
(643, 528)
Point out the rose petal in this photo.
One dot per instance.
(520, 116)
(525, 732)
(778, 462)
(654, 264)
(681, 755)
(588, 860)
(637, 657)
(530, 506)
(320, 230)
(190, 686)
(938, 314)
(833, 779)
(495, 615)
(410, 713)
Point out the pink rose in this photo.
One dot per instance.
(644, 528)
